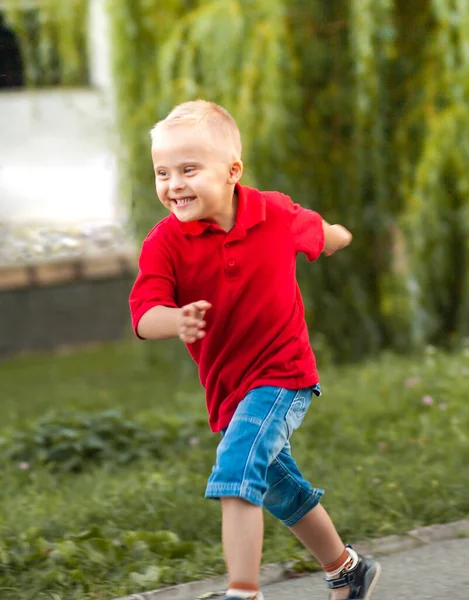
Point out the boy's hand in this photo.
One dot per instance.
(191, 321)
(336, 237)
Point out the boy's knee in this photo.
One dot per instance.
(290, 503)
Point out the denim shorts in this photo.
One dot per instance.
(254, 460)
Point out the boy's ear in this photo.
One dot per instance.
(236, 170)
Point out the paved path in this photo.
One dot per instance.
(428, 563)
(437, 571)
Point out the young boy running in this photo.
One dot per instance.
(220, 273)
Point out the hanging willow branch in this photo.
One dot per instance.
(233, 52)
(436, 214)
(356, 108)
(52, 35)
(239, 55)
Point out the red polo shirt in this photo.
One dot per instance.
(256, 331)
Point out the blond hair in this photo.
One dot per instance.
(208, 114)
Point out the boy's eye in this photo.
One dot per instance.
(189, 169)
(162, 173)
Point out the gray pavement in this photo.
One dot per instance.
(437, 571)
(428, 563)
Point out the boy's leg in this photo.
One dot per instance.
(243, 533)
(318, 534)
(256, 434)
(293, 501)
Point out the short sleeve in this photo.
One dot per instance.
(307, 230)
(155, 283)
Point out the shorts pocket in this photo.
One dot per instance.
(297, 410)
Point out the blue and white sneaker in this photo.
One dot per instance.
(362, 579)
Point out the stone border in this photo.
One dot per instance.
(105, 266)
(274, 573)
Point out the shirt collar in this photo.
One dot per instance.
(250, 212)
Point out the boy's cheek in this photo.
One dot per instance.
(161, 196)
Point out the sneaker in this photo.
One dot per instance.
(361, 579)
(255, 596)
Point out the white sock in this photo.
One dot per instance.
(245, 594)
(350, 563)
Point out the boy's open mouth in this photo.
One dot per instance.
(183, 201)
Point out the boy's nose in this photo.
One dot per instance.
(176, 183)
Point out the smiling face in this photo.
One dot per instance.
(195, 172)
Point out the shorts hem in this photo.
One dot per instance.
(216, 491)
(313, 500)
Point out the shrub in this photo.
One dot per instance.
(71, 442)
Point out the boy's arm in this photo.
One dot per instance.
(159, 323)
(336, 237)
(164, 322)
(311, 234)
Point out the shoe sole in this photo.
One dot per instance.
(374, 582)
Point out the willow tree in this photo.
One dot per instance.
(357, 108)
(52, 36)
(236, 54)
(435, 184)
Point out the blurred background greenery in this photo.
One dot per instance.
(356, 108)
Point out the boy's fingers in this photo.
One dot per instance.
(190, 322)
(202, 305)
(193, 323)
(194, 309)
(192, 337)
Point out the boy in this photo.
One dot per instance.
(219, 273)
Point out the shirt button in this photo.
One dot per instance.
(231, 263)
(228, 245)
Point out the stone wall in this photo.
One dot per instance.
(48, 306)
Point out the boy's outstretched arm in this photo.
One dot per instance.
(336, 237)
(163, 322)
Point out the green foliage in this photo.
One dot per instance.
(436, 215)
(75, 442)
(77, 558)
(356, 108)
(342, 106)
(393, 432)
(53, 40)
(233, 52)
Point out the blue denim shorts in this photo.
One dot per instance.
(254, 461)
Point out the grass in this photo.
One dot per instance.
(388, 441)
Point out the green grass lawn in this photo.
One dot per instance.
(388, 440)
